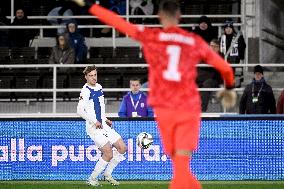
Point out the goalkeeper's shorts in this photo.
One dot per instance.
(179, 129)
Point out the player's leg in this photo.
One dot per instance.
(101, 140)
(120, 146)
(186, 141)
(166, 124)
(179, 140)
(118, 155)
(103, 161)
(183, 177)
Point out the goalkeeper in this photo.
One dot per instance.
(172, 54)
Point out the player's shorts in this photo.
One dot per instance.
(179, 129)
(102, 136)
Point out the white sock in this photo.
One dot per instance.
(100, 166)
(112, 164)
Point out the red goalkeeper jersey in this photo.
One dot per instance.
(172, 55)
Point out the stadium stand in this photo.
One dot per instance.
(26, 82)
(23, 53)
(43, 52)
(46, 81)
(6, 82)
(101, 51)
(4, 53)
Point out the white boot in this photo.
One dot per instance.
(93, 182)
(111, 180)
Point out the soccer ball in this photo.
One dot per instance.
(144, 140)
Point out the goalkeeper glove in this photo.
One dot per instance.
(228, 98)
(83, 3)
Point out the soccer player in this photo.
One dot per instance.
(91, 107)
(172, 55)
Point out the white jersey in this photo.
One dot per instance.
(91, 107)
(91, 104)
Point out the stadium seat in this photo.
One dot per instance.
(43, 52)
(26, 82)
(101, 52)
(6, 82)
(4, 53)
(42, 60)
(61, 81)
(17, 61)
(23, 52)
(76, 80)
(95, 61)
(46, 81)
(127, 52)
(110, 80)
(5, 61)
(140, 73)
(135, 60)
(117, 60)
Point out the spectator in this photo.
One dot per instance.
(209, 78)
(258, 97)
(232, 44)
(233, 49)
(134, 104)
(20, 37)
(116, 6)
(62, 53)
(77, 42)
(205, 29)
(280, 104)
(60, 11)
(141, 7)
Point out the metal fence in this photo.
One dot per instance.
(54, 90)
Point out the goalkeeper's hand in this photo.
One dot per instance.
(228, 98)
(83, 3)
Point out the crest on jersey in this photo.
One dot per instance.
(80, 98)
(142, 105)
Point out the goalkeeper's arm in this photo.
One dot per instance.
(110, 18)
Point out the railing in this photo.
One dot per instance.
(41, 27)
(114, 37)
(127, 17)
(55, 90)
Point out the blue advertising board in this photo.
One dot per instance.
(60, 149)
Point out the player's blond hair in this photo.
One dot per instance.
(88, 69)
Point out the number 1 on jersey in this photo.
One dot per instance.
(172, 73)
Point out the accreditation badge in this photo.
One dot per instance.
(254, 99)
(134, 114)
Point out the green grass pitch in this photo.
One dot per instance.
(139, 185)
